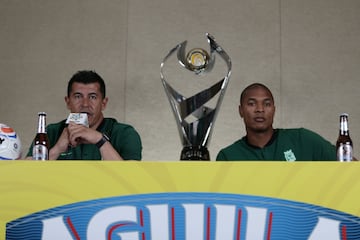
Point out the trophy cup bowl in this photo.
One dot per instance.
(197, 59)
(194, 117)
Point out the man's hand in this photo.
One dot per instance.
(79, 134)
(61, 145)
(75, 134)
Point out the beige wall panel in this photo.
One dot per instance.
(306, 51)
(320, 66)
(247, 30)
(44, 42)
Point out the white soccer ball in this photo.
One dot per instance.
(10, 144)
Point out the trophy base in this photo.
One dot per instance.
(195, 153)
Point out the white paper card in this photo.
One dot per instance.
(78, 118)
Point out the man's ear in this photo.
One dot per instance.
(240, 111)
(67, 102)
(104, 103)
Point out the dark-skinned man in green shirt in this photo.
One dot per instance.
(262, 142)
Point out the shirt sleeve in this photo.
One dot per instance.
(322, 149)
(127, 143)
(221, 156)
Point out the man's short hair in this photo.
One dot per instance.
(87, 77)
(252, 86)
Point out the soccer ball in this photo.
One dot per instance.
(10, 145)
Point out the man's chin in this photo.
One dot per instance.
(261, 129)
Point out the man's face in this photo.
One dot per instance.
(257, 110)
(87, 98)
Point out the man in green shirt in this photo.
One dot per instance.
(263, 142)
(103, 139)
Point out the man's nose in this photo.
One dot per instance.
(259, 107)
(85, 101)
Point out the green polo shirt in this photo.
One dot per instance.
(123, 137)
(298, 144)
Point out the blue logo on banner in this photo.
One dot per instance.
(186, 216)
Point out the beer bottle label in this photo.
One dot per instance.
(40, 152)
(345, 153)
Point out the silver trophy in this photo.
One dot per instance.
(195, 115)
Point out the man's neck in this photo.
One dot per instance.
(98, 123)
(259, 139)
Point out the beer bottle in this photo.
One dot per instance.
(41, 141)
(344, 144)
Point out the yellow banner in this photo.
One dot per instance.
(28, 186)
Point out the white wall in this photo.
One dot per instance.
(306, 51)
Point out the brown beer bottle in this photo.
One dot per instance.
(344, 144)
(41, 142)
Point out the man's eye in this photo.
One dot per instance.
(92, 97)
